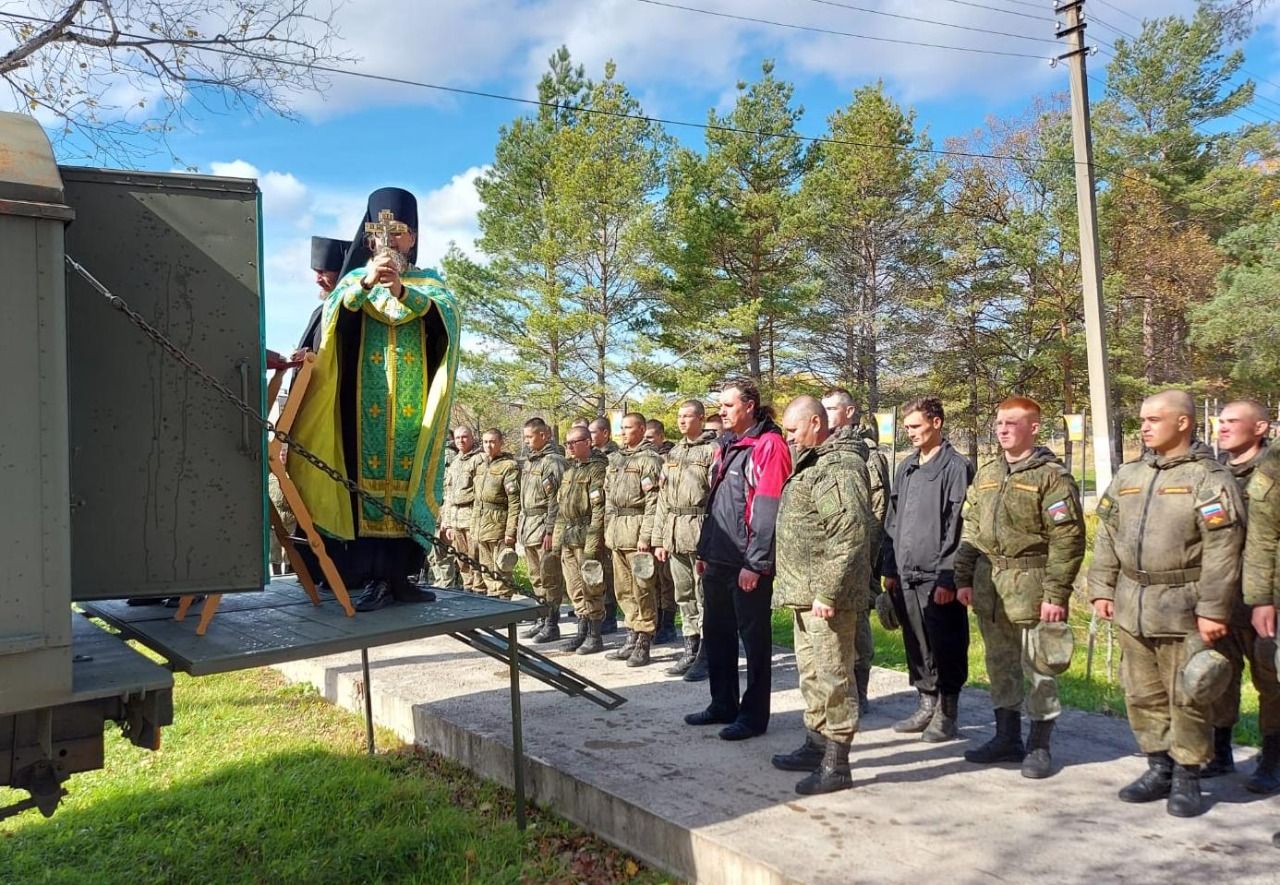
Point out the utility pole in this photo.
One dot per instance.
(1095, 332)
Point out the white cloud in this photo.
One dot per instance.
(283, 195)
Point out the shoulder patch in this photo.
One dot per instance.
(646, 484)
(1105, 505)
(1059, 512)
(1215, 514)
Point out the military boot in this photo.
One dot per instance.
(666, 627)
(832, 773)
(1264, 780)
(640, 654)
(610, 623)
(1155, 782)
(533, 629)
(1223, 761)
(1006, 746)
(685, 661)
(807, 757)
(1184, 792)
(920, 719)
(1038, 763)
(550, 631)
(698, 672)
(593, 643)
(580, 637)
(622, 652)
(942, 727)
(862, 677)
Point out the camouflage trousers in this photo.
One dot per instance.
(278, 556)
(610, 598)
(1163, 719)
(1009, 665)
(443, 568)
(487, 553)
(864, 641)
(639, 599)
(688, 591)
(471, 579)
(825, 658)
(1238, 646)
(545, 575)
(665, 584)
(588, 599)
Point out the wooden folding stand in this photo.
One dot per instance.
(291, 495)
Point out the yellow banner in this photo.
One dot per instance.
(885, 428)
(1075, 427)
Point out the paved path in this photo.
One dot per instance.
(716, 812)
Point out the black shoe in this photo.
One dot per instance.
(579, 637)
(709, 717)
(378, 596)
(1184, 792)
(640, 654)
(144, 600)
(622, 652)
(862, 678)
(943, 725)
(550, 631)
(737, 731)
(1006, 746)
(698, 672)
(806, 758)
(404, 591)
(610, 623)
(1223, 761)
(532, 630)
(920, 719)
(593, 643)
(832, 773)
(685, 661)
(666, 627)
(1155, 783)
(1264, 781)
(1038, 764)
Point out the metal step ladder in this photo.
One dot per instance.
(494, 643)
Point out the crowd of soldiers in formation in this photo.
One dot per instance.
(756, 513)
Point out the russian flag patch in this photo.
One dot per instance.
(1213, 513)
(1059, 512)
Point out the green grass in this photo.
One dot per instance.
(261, 782)
(1097, 693)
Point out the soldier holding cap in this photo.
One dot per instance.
(1166, 567)
(539, 491)
(631, 497)
(579, 538)
(496, 511)
(459, 501)
(1023, 515)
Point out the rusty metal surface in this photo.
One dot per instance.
(28, 173)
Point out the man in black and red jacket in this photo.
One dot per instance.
(735, 559)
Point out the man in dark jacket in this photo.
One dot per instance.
(922, 536)
(735, 558)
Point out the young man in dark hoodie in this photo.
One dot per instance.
(735, 558)
(917, 560)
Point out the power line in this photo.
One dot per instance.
(829, 31)
(1039, 18)
(930, 21)
(1118, 9)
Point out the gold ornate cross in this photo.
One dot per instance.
(385, 228)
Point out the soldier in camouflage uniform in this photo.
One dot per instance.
(602, 443)
(497, 509)
(539, 490)
(677, 524)
(823, 560)
(441, 564)
(579, 536)
(655, 434)
(459, 499)
(1023, 514)
(1166, 566)
(842, 418)
(631, 498)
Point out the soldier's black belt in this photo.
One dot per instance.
(629, 511)
(1177, 576)
(1019, 561)
(687, 511)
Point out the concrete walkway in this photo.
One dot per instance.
(716, 812)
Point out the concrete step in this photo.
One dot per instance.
(716, 812)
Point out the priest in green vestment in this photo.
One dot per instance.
(378, 403)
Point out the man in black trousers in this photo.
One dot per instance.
(922, 535)
(735, 558)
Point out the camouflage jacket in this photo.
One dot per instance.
(539, 488)
(497, 507)
(825, 528)
(631, 496)
(1170, 533)
(849, 439)
(609, 450)
(1026, 518)
(1262, 547)
(580, 514)
(459, 490)
(682, 494)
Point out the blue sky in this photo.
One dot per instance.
(359, 135)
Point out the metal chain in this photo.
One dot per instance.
(266, 424)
